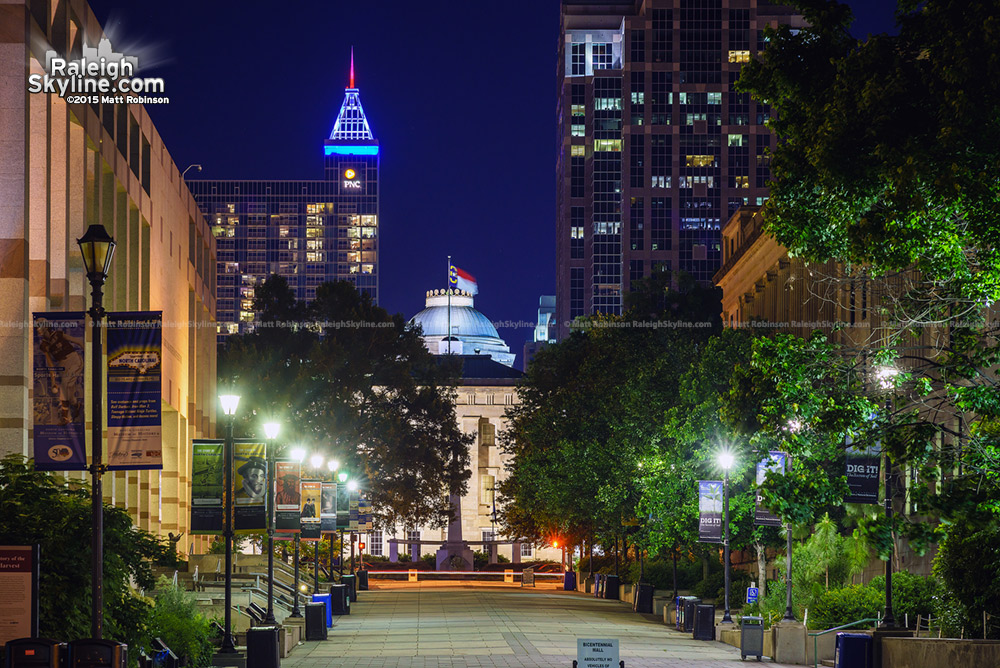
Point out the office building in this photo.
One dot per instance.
(657, 148)
(309, 232)
(68, 164)
(545, 329)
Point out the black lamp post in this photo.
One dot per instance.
(271, 431)
(98, 249)
(726, 461)
(352, 486)
(886, 379)
(295, 596)
(229, 404)
(789, 613)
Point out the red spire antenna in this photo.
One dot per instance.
(352, 67)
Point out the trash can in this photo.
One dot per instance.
(642, 600)
(315, 622)
(34, 653)
(751, 637)
(362, 580)
(325, 600)
(704, 622)
(352, 586)
(95, 653)
(611, 586)
(690, 603)
(854, 650)
(569, 581)
(340, 602)
(263, 647)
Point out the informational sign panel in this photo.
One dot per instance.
(328, 508)
(207, 485)
(364, 515)
(309, 513)
(287, 499)
(18, 592)
(752, 594)
(596, 653)
(250, 484)
(58, 396)
(134, 390)
(775, 461)
(862, 478)
(709, 511)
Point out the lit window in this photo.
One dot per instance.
(699, 160)
(527, 550)
(714, 98)
(577, 150)
(367, 268)
(738, 140)
(739, 56)
(578, 130)
(742, 182)
(608, 145)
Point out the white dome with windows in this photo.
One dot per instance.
(472, 333)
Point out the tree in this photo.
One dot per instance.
(44, 508)
(359, 383)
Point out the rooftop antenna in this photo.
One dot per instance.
(352, 67)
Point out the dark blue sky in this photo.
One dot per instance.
(461, 96)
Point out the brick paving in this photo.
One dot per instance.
(455, 625)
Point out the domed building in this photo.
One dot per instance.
(472, 333)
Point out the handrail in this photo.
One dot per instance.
(837, 628)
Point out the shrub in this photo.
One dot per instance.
(847, 604)
(176, 621)
(968, 565)
(772, 607)
(912, 595)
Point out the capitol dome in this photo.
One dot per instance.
(472, 333)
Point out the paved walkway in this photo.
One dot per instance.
(479, 626)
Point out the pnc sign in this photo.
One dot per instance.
(350, 180)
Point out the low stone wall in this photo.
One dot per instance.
(939, 653)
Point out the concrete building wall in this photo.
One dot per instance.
(64, 167)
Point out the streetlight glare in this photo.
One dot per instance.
(316, 461)
(229, 403)
(298, 454)
(342, 476)
(271, 430)
(333, 465)
(726, 460)
(353, 485)
(886, 376)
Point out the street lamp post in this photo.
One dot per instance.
(298, 454)
(229, 404)
(352, 486)
(97, 248)
(789, 613)
(316, 461)
(342, 479)
(886, 376)
(271, 430)
(726, 461)
(333, 465)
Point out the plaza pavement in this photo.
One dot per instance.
(458, 625)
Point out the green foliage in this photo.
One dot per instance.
(771, 608)
(176, 621)
(968, 565)
(369, 391)
(911, 594)
(44, 508)
(844, 605)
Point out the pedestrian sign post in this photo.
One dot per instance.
(752, 594)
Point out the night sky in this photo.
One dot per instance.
(461, 99)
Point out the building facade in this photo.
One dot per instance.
(65, 166)
(657, 148)
(309, 232)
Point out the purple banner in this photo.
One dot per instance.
(58, 398)
(134, 390)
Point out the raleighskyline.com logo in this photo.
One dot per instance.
(101, 76)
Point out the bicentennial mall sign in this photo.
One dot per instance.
(596, 653)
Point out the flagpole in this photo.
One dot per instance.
(449, 305)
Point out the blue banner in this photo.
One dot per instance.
(134, 390)
(59, 422)
(775, 461)
(710, 511)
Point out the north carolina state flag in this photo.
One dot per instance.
(462, 280)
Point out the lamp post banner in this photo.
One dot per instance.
(709, 511)
(135, 365)
(775, 461)
(206, 486)
(862, 478)
(58, 397)
(309, 513)
(353, 515)
(250, 485)
(364, 515)
(328, 508)
(287, 500)
(343, 507)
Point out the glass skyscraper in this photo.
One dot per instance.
(309, 232)
(657, 148)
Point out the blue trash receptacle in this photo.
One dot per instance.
(569, 581)
(854, 650)
(325, 600)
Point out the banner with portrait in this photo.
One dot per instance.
(328, 508)
(58, 423)
(709, 511)
(287, 499)
(775, 461)
(250, 485)
(309, 518)
(207, 485)
(134, 370)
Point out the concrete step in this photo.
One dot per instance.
(827, 662)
